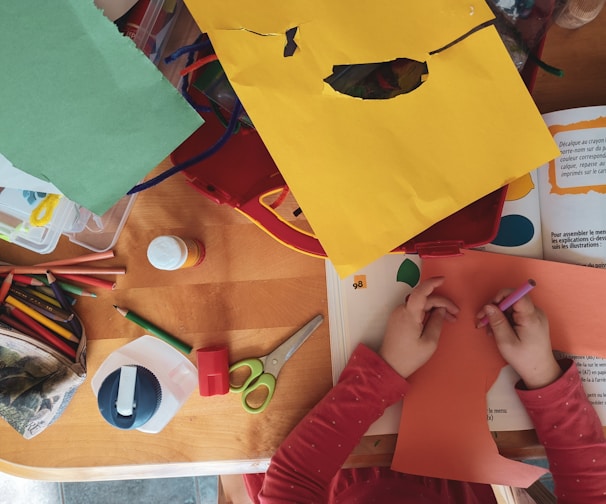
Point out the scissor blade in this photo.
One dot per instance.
(285, 351)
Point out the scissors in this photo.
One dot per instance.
(264, 370)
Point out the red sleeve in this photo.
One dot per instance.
(308, 459)
(569, 428)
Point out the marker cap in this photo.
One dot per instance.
(213, 370)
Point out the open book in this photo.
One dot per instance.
(558, 212)
(561, 200)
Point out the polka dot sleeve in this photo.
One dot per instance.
(569, 428)
(304, 465)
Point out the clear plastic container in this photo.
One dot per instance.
(577, 13)
(17, 205)
(100, 233)
(96, 233)
(149, 24)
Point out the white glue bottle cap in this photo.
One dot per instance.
(172, 252)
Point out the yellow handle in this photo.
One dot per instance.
(43, 213)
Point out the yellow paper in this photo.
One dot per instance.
(371, 174)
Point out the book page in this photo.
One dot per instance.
(507, 413)
(359, 306)
(572, 188)
(520, 224)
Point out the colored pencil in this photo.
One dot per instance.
(152, 329)
(513, 298)
(74, 323)
(42, 332)
(96, 256)
(15, 324)
(68, 287)
(89, 280)
(58, 314)
(25, 280)
(6, 285)
(76, 270)
(38, 317)
(47, 296)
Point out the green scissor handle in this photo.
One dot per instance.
(256, 379)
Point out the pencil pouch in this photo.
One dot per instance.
(37, 382)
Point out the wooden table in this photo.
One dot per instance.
(251, 292)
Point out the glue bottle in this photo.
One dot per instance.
(171, 252)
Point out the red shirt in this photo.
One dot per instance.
(307, 466)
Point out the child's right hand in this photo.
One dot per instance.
(524, 343)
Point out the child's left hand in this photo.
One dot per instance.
(414, 328)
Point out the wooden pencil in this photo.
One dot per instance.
(42, 332)
(73, 323)
(58, 314)
(96, 256)
(25, 280)
(68, 287)
(6, 285)
(57, 270)
(17, 325)
(89, 280)
(41, 319)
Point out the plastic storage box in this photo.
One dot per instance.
(16, 207)
(97, 233)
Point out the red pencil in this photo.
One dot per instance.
(15, 324)
(6, 285)
(59, 270)
(42, 332)
(96, 256)
(89, 280)
(25, 280)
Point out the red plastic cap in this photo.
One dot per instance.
(213, 370)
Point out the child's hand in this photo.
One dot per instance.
(413, 329)
(522, 337)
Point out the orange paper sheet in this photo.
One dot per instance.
(443, 430)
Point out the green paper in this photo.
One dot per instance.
(80, 105)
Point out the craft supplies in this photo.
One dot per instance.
(163, 378)
(23, 222)
(213, 370)
(156, 331)
(172, 252)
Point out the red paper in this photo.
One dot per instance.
(443, 430)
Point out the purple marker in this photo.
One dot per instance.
(513, 298)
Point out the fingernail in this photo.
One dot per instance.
(489, 310)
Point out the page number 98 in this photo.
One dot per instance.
(359, 282)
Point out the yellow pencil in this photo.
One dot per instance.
(44, 297)
(49, 324)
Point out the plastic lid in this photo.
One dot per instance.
(129, 397)
(213, 370)
(167, 252)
